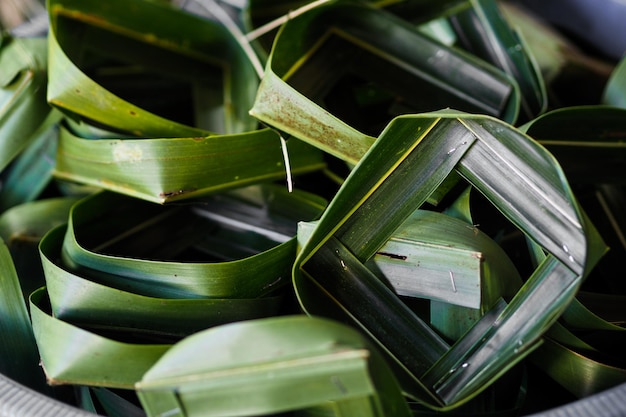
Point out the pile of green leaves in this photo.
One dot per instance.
(295, 208)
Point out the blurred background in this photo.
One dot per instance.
(594, 25)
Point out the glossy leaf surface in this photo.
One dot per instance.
(92, 43)
(164, 170)
(588, 141)
(72, 355)
(23, 104)
(83, 302)
(234, 245)
(522, 180)
(484, 30)
(358, 39)
(318, 361)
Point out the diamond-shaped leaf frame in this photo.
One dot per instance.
(412, 156)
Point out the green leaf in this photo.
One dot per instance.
(484, 31)
(85, 400)
(378, 60)
(262, 18)
(316, 360)
(17, 344)
(581, 375)
(409, 160)
(445, 251)
(164, 170)
(200, 63)
(233, 245)
(22, 228)
(579, 317)
(112, 403)
(86, 303)
(95, 46)
(438, 257)
(565, 64)
(615, 90)
(72, 355)
(607, 306)
(31, 171)
(571, 354)
(588, 141)
(23, 106)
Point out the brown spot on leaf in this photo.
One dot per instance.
(393, 255)
(169, 194)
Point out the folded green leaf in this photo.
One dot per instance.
(409, 160)
(576, 353)
(294, 362)
(71, 355)
(22, 228)
(607, 307)
(579, 317)
(382, 61)
(17, 344)
(483, 30)
(23, 105)
(31, 171)
(88, 304)
(170, 169)
(93, 45)
(446, 249)
(438, 257)
(262, 18)
(580, 375)
(239, 244)
(34, 219)
(565, 64)
(588, 141)
(155, 46)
